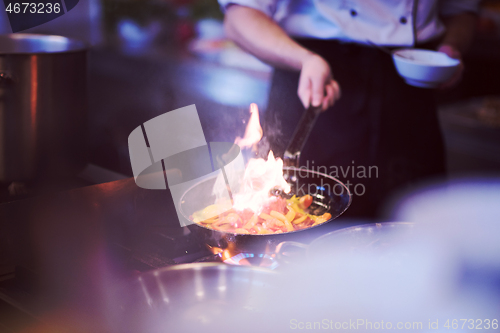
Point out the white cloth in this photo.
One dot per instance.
(384, 22)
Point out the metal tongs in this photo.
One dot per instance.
(292, 153)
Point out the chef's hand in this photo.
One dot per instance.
(316, 84)
(452, 52)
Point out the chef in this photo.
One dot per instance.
(324, 54)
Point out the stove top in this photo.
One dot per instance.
(68, 248)
(160, 247)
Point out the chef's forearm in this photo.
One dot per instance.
(256, 33)
(459, 31)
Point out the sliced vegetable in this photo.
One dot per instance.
(305, 201)
(278, 215)
(300, 219)
(290, 215)
(281, 215)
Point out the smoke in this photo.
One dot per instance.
(273, 138)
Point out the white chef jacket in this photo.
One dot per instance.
(384, 22)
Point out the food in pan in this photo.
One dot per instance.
(279, 215)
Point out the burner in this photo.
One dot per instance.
(210, 258)
(251, 259)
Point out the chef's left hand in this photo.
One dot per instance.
(452, 52)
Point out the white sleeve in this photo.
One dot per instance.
(268, 7)
(454, 7)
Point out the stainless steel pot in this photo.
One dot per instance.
(42, 106)
(190, 297)
(367, 238)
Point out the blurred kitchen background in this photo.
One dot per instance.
(148, 57)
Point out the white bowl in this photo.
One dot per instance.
(424, 68)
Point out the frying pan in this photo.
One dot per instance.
(329, 195)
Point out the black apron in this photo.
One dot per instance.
(382, 135)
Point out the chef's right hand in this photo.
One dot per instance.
(316, 84)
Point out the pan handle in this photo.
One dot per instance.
(285, 256)
(299, 137)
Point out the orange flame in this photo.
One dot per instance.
(225, 254)
(255, 183)
(253, 131)
(214, 249)
(260, 176)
